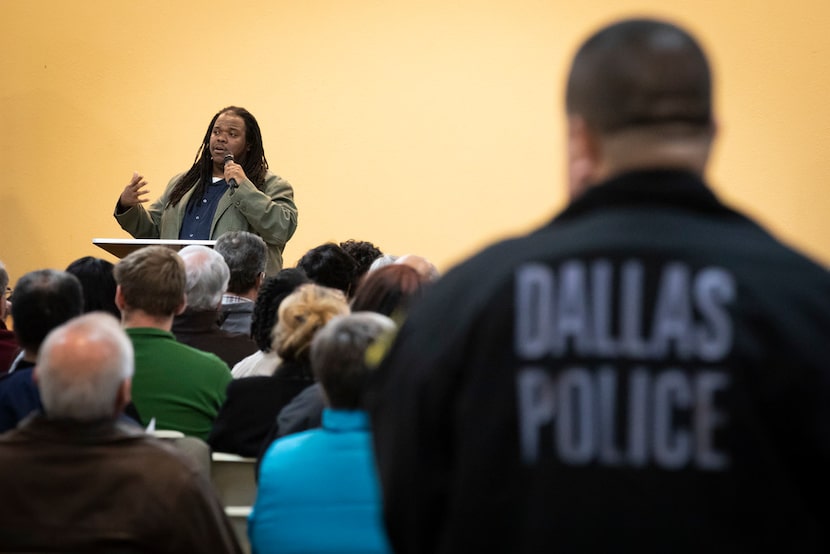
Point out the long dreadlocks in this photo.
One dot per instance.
(200, 174)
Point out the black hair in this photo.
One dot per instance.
(330, 266)
(266, 309)
(640, 73)
(97, 282)
(363, 252)
(200, 174)
(43, 300)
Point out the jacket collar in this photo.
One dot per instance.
(656, 187)
(196, 321)
(71, 431)
(345, 420)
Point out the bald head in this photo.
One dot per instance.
(425, 268)
(84, 369)
(640, 73)
(638, 97)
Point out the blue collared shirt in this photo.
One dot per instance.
(198, 217)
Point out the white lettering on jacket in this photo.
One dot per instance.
(627, 403)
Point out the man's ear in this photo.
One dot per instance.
(123, 396)
(120, 303)
(583, 156)
(183, 306)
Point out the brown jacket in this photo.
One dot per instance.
(104, 486)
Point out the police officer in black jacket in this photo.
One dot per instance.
(650, 372)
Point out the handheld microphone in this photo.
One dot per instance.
(231, 181)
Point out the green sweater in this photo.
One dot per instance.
(183, 388)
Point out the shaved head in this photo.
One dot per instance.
(640, 73)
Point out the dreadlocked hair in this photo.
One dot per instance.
(201, 173)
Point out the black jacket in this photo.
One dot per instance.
(251, 407)
(650, 372)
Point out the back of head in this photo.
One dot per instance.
(330, 266)
(383, 261)
(641, 74)
(4, 277)
(207, 276)
(82, 366)
(338, 356)
(152, 279)
(301, 315)
(423, 266)
(388, 290)
(43, 300)
(4, 285)
(98, 283)
(245, 253)
(363, 252)
(266, 308)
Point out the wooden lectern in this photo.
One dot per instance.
(121, 247)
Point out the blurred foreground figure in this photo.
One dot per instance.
(650, 372)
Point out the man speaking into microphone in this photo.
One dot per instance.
(228, 188)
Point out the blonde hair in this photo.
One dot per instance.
(301, 315)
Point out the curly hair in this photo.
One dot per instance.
(363, 252)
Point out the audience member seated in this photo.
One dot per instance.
(43, 300)
(245, 253)
(388, 291)
(8, 343)
(252, 404)
(198, 325)
(422, 265)
(178, 386)
(383, 261)
(329, 265)
(318, 490)
(364, 254)
(78, 480)
(97, 282)
(266, 311)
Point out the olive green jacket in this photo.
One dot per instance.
(269, 213)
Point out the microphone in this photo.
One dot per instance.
(231, 181)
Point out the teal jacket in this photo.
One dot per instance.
(318, 491)
(269, 213)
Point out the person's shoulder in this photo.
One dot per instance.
(20, 378)
(257, 384)
(175, 179)
(199, 358)
(274, 181)
(294, 444)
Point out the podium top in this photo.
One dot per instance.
(121, 247)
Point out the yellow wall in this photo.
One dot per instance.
(431, 127)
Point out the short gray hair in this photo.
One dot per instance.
(338, 356)
(245, 255)
(207, 276)
(382, 261)
(81, 366)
